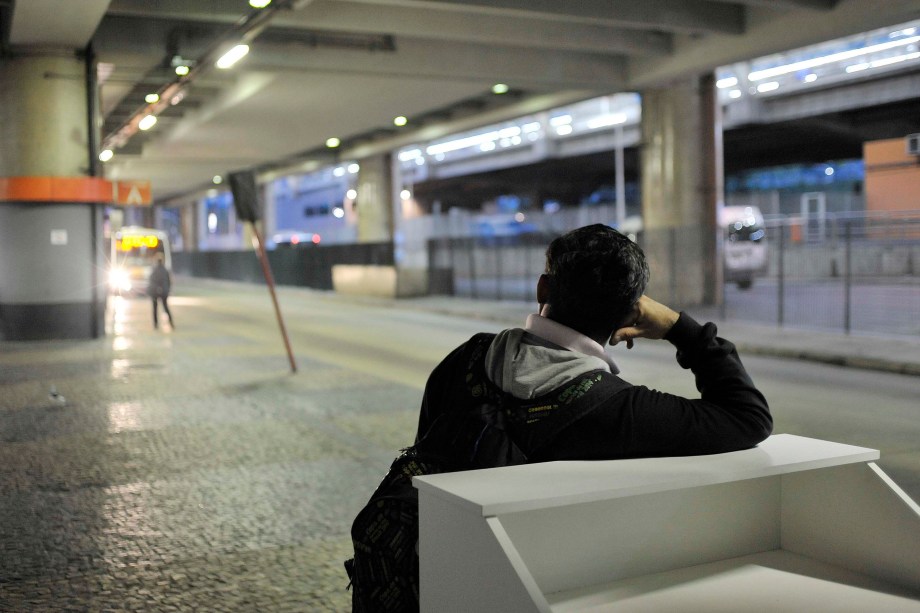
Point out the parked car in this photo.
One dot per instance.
(290, 239)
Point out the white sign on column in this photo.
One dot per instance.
(59, 237)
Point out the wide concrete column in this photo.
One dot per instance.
(382, 215)
(374, 203)
(682, 188)
(52, 282)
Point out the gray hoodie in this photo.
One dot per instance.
(527, 366)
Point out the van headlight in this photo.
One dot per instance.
(120, 279)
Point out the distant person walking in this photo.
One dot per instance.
(158, 287)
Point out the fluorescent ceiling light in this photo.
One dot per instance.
(560, 120)
(333, 142)
(462, 143)
(105, 155)
(151, 98)
(904, 32)
(727, 82)
(734, 94)
(400, 121)
(811, 78)
(894, 60)
(759, 75)
(233, 56)
(532, 126)
(147, 122)
(564, 130)
(411, 154)
(182, 70)
(769, 86)
(500, 88)
(259, 4)
(605, 121)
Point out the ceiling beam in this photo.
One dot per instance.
(419, 22)
(415, 60)
(412, 59)
(56, 23)
(476, 27)
(815, 5)
(770, 33)
(692, 16)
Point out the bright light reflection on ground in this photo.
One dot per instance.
(124, 416)
(119, 308)
(122, 343)
(120, 368)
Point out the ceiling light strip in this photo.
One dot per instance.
(759, 75)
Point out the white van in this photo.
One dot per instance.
(745, 244)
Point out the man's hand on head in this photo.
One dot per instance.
(649, 319)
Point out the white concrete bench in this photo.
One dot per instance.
(794, 524)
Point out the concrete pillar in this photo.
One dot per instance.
(681, 191)
(43, 121)
(52, 262)
(375, 199)
(382, 218)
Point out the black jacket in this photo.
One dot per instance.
(635, 421)
(159, 282)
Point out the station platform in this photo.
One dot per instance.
(188, 469)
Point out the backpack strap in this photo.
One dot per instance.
(532, 424)
(571, 403)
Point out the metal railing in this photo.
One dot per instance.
(853, 273)
(850, 273)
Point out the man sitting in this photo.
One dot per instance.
(549, 391)
(592, 291)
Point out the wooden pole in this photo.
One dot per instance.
(270, 280)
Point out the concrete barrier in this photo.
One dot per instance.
(380, 281)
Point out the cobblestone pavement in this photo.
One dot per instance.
(189, 470)
(185, 470)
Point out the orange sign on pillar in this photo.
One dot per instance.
(131, 193)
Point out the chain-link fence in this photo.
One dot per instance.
(844, 273)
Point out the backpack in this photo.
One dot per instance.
(384, 572)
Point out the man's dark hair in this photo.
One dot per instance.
(595, 276)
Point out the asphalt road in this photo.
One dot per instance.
(847, 405)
